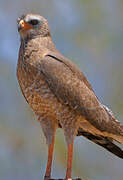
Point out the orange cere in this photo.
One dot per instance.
(24, 25)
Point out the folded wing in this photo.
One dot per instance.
(72, 88)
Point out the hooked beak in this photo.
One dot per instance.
(22, 25)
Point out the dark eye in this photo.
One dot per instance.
(33, 22)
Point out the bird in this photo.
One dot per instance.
(60, 95)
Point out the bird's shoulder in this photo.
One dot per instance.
(57, 61)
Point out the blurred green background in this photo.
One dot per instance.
(88, 32)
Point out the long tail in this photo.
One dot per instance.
(105, 142)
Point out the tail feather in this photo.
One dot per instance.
(105, 142)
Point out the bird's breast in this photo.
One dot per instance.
(36, 91)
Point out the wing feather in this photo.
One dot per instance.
(72, 88)
(105, 142)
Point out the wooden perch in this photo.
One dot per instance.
(68, 179)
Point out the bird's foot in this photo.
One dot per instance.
(47, 178)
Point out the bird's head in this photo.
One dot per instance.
(31, 26)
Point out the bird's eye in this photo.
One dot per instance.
(33, 22)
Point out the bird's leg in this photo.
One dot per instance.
(69, 161)
(49, 161)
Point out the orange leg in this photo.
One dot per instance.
(69, 161)
(49, 161)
